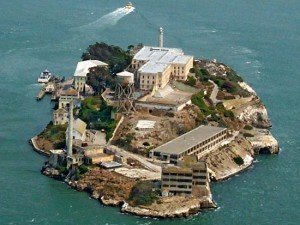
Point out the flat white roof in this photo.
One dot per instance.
(125, 74)
(153, 67)
(155, 53)
(188, 140)
(145, 124)
(83, 67)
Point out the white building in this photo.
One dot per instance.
(67, 96)
(79, 130)
(82, 69)
(60, 116)
(155, 66)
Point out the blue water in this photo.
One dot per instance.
(259, 39)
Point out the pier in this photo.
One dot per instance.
(41, 94)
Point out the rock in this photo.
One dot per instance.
(110, 202)
(170, 207)
(263, 142)
(256, 115)
(53, 173)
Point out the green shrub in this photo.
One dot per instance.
(142, 193)
(197, 99)
(238, 160)
(62, 170)
(248, 127)
(191, 81)
(83, 169)
(229, 113)
(248, 135)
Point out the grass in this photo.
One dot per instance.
(55, 134)
(97, 114)
(198, 100)
(142, 193)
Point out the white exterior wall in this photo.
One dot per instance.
(79, 83)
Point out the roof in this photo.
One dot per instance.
(70, 92)
(79, 126)
(154, 53)
(153, 67)
(188, 140)
(125, 74)
(110, 165)
(176, 169)
(61, 110)
(83, 67)
(145, 124)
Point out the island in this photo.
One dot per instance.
(149, 129)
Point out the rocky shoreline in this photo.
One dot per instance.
(112, 189)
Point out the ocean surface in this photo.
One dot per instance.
(259, 39)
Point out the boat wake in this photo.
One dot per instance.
(107, 20)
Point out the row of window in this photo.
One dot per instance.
(177, 180)
(176, 174)
(178, 186)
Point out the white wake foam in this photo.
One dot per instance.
(107, 20)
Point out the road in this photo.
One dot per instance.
(143, 160)
(213, 95)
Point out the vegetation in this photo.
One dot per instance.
(248, 127)
(83, 169)
(238, 160)
(248, 135)
(55, 134)
(197, 99)
(62, 170)
(114, 56)
(202, 74)
(191, 81)
(99, 77)
(97, 114)
(142, 193)
(229, 113)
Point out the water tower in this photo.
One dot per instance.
(124, 91)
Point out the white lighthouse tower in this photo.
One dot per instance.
(70, 137)
(161, 38)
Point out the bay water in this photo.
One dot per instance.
(259, 39)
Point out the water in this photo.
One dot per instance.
(260, 39)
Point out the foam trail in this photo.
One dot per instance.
(109, 19)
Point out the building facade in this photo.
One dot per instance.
(81, 71)
(189, 177)
(155, 66)
(191, 143)
(60, 116)
(67, 96)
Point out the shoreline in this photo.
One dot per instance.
(251, 112)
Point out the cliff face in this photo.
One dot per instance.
(256, 115)
(176, 206)
(263, 142)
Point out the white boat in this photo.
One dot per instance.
(129, 5)
(45, 76)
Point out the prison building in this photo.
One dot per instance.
(155, 66)
(191, 143)
(190, 176)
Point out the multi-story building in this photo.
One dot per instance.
(190, 176)
(82, 69)
(66, 96)
(155, 66)
(191, 143)
(60, 116)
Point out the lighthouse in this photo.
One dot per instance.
(70, 137)
(161, 38)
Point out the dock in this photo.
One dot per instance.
(41, 94)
